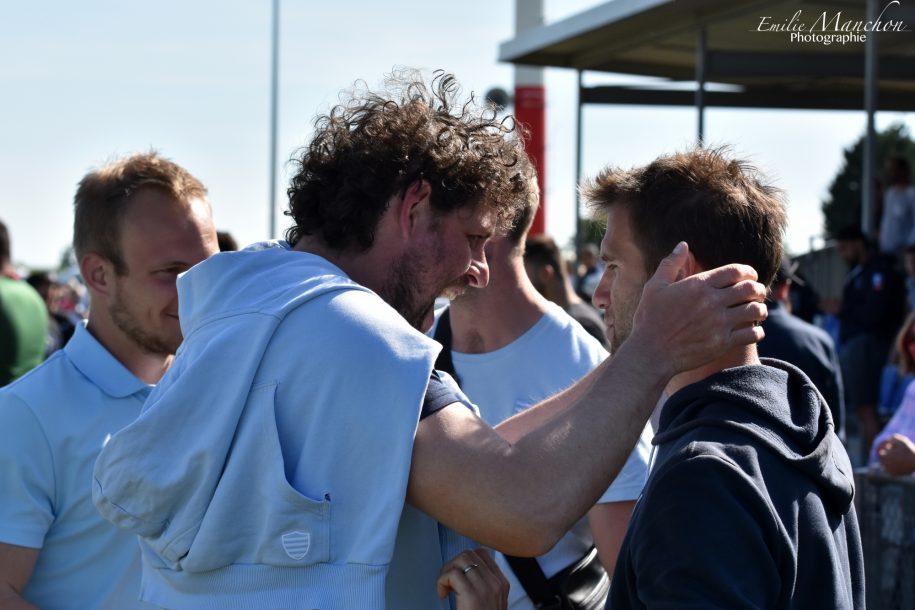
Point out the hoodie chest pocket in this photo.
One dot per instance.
(255, 515)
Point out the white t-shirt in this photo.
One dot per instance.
(552, 355)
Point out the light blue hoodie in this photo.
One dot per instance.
(269, 466)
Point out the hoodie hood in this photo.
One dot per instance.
(778, 406)
(186, 420)
(245, 281)
(201, 475)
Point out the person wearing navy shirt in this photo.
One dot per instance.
(804, 345)
(872, 310)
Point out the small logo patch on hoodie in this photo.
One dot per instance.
(296, 544)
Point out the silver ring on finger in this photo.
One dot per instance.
(472, 566)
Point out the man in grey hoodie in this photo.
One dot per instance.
(749, 501)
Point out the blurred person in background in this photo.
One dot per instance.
(74, 300)
(590, 270)
(23, 319)
(548, 273)
(895, 454)
(871, 311)
(139, 222)
(804, 300)
(61, 326)
(804, 345)
(898, 373)
(227, 243)
(893, 448)
(908, 266)
(897, 223)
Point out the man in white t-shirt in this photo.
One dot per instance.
(511, 348)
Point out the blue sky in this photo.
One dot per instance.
(86, 81)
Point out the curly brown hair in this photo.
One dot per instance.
(375, 145)
(718, 204)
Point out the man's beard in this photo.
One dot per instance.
(406, 287)
(127, 323)
(401, 292)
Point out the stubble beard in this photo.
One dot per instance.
(617, 340)
(127, 323)
(403, 288)
(401, 292)
(622, 328)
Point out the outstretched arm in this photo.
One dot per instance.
(519, 493)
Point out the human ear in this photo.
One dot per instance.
(97, 272)
(413, 204)
(691, 267)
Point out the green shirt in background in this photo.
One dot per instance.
(23, 329)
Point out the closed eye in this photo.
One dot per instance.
(174, 270)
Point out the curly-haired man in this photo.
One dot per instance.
(271, 467)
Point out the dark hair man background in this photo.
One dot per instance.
(897, 224)
(60, 327)
(870, 314)
(139, 222)
(227, 243)
(589, 271)
(804, 345)
(749, 500)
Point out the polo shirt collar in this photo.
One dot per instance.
(100, 367)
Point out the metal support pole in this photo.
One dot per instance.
(578, 153)
(870, 106)
(274, 102)
(701, 58)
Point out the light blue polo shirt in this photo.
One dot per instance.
(53, 423)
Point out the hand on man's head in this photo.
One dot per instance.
(685, 320)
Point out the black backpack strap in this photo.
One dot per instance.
(443, 336)
(539, 589)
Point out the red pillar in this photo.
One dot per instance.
(530, 111)
(530, 105)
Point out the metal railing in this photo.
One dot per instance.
(886, 515)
